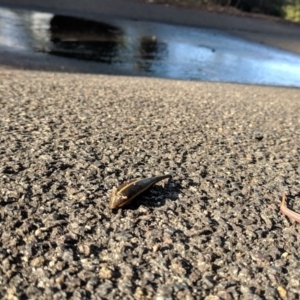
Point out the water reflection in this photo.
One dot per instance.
(150, 49)
(83, 39)
(150, 53)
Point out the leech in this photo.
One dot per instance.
(128, 191)
(288, 212)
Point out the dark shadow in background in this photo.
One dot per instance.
(88, 40)
(150, 50)
(100, 42)
(74, 44)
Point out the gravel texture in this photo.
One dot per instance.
(212, 232)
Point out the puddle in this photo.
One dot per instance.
(150, 49)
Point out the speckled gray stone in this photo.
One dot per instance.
(213, 232)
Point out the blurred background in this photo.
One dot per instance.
(286, 9)
(238, 41)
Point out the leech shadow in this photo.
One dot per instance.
(157, 196)
(290, 199)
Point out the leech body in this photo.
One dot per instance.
(288, 212)
(126, 192)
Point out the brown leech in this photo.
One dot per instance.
(128, 191)
(288, 212)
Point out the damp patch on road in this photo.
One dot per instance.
(149, 49)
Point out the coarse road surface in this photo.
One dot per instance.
(212, 232)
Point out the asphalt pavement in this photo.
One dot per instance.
(214, 231)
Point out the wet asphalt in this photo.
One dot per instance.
(140, 48)
(212, 232)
